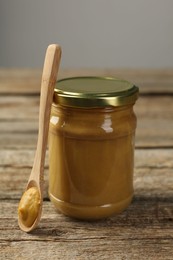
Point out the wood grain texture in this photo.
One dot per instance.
(143, 231)
(147, 231)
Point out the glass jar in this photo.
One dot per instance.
(91, 146)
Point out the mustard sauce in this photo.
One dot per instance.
(91, 157)
(29, 206)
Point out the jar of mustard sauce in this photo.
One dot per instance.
(91, 146)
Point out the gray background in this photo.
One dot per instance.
(93, 33)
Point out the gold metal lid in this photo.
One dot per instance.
(90, 92)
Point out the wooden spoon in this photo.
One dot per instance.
(49, 76)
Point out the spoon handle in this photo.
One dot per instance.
(49, 77)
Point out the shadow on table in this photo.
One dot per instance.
(144, 212)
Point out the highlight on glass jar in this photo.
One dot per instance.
(91, 146)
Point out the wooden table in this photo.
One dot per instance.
(143, 231)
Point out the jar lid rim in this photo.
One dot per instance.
(91, 91)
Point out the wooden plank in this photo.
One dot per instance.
(92, 248)
(22, 106)
(148, 182)
(18, 141)
(148, 137)
(19, 115)
(144, 158)
(153, 175)
(160, 211)
(27, 107)
(13, 81)
(19, 107)
(145, 229)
